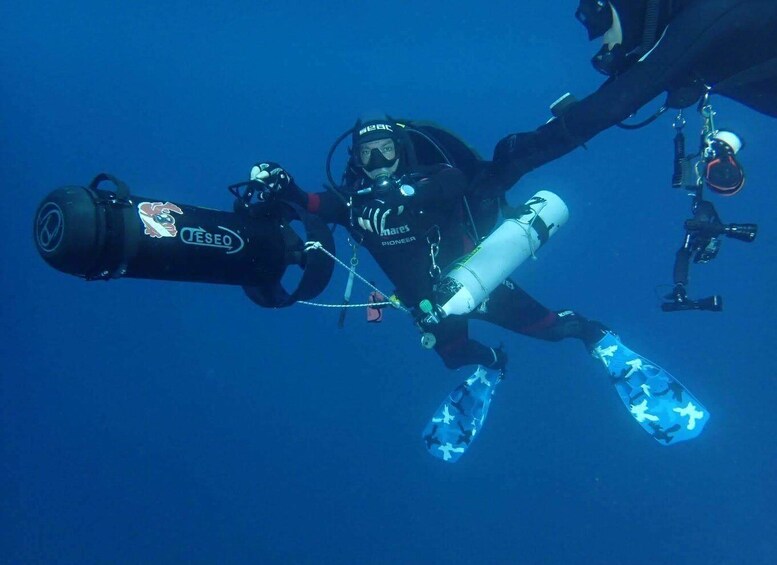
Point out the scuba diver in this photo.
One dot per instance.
(399, 210)
(414, 217)
(686, 48)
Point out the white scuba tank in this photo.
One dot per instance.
(472, 278)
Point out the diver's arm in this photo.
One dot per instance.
(328, 207)
(688, 36)
(323, 204)
(282, 185)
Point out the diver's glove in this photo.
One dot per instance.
(376, 213)
(272, 176)
(277, 183)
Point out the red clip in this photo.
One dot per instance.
(375, 313)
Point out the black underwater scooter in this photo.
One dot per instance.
(102, 233)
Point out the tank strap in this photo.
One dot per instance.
(115, 212)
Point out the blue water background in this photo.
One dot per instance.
(151, 422)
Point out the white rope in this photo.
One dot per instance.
(366, 305)
(311, 245)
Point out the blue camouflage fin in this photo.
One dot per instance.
(461, 416)
(657, 401)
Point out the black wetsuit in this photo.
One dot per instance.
(728, 45)
(434, 213)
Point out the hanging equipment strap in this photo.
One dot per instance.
(348, 288)
(652, 11)
(681, 174)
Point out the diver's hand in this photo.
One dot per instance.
(272, 176)
(375, 215)
(274, 182)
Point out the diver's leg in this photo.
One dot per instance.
(456, 349)
(514, 309)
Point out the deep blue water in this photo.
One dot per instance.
(147, 422)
